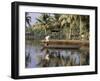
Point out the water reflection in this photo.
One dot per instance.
(35, 57)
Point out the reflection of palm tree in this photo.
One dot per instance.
(27, 59)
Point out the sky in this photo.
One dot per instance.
(33, 16)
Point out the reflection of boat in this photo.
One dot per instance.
(62, 46)
(57, 57)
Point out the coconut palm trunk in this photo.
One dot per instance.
(80, 27)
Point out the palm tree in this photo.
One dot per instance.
(56, 26)
(27, 19)
(69, 24)
(44, 20)
(65, 24)
(84, 26)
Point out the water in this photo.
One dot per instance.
(36, 57)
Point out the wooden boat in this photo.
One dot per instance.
(65, 43)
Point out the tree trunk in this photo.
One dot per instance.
(80, 27)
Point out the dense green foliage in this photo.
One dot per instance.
(61, 26)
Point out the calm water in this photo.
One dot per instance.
(35, 56)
